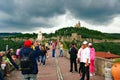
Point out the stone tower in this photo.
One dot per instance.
(39, 37)
(78, 25)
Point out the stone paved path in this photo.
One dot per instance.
(55, 69)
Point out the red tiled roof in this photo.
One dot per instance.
(106, 55)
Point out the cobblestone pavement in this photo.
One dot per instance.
(55, 69)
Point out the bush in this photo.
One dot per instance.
(10, 43)
(108, 46)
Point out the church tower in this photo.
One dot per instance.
(39, 37)
(78, 25)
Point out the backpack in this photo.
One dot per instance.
(25, 62)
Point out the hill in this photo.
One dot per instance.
(8, 34)
(85, 32)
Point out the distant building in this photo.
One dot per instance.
(75, 36)
(39, 37)
(78, 25)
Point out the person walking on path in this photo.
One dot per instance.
(73, 57)
(30, 74)
(92, 59)
(53, 49)
(61, 50)
(45, 54)
(10, 58)
(85, 58)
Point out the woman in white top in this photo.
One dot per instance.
(61, 50)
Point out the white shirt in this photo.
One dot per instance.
(61, 46)
(84, 54)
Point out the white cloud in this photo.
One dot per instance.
(113, 27)
(50, 15)
(58, 22)
(68, 20)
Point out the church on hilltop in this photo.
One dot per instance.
(78, 25)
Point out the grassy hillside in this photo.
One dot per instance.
(86, 33)
(99, 47)
(10, 43)
(108, 47)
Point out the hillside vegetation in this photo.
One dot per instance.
(11, 44)
(86, 33)
(108, 47)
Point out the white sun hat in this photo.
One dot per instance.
(85, 42)
(90, 44)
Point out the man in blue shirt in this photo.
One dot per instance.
(26, 50)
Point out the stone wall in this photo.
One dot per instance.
(101, 64)
(66, 54)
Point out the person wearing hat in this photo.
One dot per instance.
(84, 57)
(28, 51)
(92, 59)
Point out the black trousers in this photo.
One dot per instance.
(1, 76)
(85, 72)
(81, 67)
(73, 61)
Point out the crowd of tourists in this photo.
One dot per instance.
(33, 53)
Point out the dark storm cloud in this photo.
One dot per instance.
(95, 11)
(23, 14)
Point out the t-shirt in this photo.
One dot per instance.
(73, 53)
(61, 46)
(44, 52)
(17, 52)
(84, 54)
(53, 46)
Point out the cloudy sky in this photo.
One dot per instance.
(50, 15)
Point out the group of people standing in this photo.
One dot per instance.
(54, 45)
(37, 53)
(85, 56)
(31, 50)
(8, 60)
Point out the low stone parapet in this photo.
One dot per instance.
(101, 64)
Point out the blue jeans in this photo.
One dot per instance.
(1, 76)
(39, 58)
(44, 59)
(53, 53)
(29, 77)
(61, 52)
